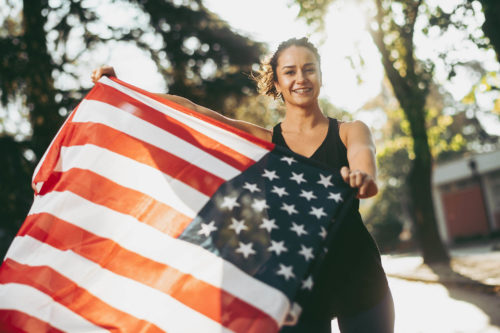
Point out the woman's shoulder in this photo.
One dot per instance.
(353, 124)
(352, 128)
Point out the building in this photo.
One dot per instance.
(467, 197)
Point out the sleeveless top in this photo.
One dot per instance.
(352, 278)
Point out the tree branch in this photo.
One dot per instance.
(408, 40)
(378, 37)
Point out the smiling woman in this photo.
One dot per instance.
(358, 295)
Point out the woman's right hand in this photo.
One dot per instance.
(100, 71)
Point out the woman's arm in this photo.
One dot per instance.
(255, 130)
(361, 155)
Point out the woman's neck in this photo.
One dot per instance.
(301, 119)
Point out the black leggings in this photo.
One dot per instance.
(378, 319)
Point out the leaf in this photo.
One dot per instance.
(496, 106)
(470, 98)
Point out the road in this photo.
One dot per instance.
(432, 308)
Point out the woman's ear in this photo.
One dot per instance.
(277, 87)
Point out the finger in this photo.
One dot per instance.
(344, 172)
(364, 188)
(96, 74)
(360, 178)
(354, 178)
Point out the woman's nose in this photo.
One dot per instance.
(300, 76)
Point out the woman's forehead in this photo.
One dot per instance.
(296, 54)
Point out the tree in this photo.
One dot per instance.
(491, 25)
(44, 43)
(486, 36)
(452, 131)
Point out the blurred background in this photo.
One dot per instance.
(423, 74)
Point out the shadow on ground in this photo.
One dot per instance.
(460, 287)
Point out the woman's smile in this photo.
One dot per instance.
(302, 91)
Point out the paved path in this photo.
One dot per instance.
(432, 308)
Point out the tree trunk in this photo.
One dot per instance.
(412, 99)
(40, 90)
(420, 185)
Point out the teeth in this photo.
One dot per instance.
(303, 90)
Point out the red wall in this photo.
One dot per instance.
(464, 211)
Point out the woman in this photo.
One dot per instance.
(359, 295)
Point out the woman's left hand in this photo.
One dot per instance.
(361, 180)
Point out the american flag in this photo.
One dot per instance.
(149, 217)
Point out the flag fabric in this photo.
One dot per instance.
(149, 217)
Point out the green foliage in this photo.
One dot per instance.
(487, 84)
(194, 40)
(313, 12)
(15, 190)
(332, 111)
(385, 218)
(259, 110)
(491, 25)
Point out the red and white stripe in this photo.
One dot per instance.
(99, 249)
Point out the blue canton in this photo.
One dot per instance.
(272, 220)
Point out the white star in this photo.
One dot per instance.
(325, 181)
(288, 160)
(323, 233)
(307, 283)
(206, 229)
(308, 195)
(307, 252)
(290, 209)
(277, 247)
(259, 205)
(251, 187)
(298, 228)
(286, 271)
(335, 196)
(270, 174)
(298, 177)
(318, 212)
(245, 249)
(229, 203)
(238, 226)
(279, 191)
(269, 225)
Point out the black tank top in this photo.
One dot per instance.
(352, 279)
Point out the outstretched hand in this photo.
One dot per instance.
(103, 70)
(361, 180)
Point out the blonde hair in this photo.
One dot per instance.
(266, 75)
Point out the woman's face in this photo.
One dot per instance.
(298, 76)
